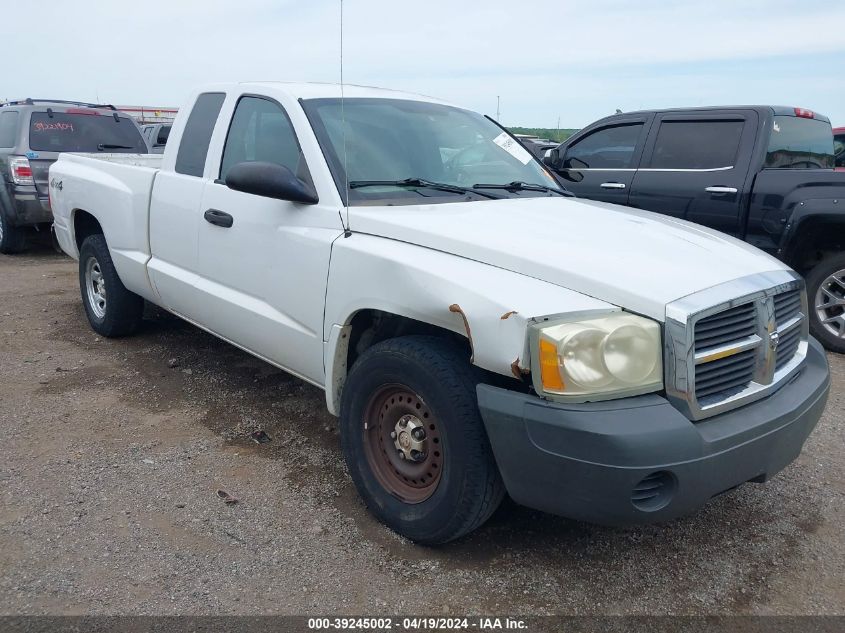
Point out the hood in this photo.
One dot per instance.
(634, 259)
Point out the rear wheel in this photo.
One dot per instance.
(112, 309)
(414, 441)
(826, 296)
(12, 238)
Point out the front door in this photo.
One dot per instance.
(263, 262)
(600, 164)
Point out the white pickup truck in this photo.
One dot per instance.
(476, 329)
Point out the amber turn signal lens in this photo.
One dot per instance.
(549, 367)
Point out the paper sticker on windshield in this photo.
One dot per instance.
(512, 147)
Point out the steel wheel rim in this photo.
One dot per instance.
(95, 285)
(409, 480)
(830, 304)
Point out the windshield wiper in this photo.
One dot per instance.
(518, 185)
(418, 182)
(103, 146)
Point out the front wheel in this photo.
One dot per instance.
(414, 441)
(112, 309)
(826, 296)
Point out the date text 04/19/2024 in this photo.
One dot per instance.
(417, 623)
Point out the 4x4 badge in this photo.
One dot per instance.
(56, 184)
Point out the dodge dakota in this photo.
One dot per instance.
(477, 330)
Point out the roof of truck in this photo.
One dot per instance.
(305, 90)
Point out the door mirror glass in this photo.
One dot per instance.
(269, 180)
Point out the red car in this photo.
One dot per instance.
(839, 147)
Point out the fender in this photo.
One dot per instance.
(492, 307)
(828, 211)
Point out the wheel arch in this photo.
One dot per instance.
(814, 237)
(84, 224)
(366, 327)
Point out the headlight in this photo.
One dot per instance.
(608, 356)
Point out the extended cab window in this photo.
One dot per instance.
(8, 128)
(800, 143)
(696, 144)
(260, 131)
(89, 132)
(193, 148)
(608, 148)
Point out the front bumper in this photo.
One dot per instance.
(638, 460)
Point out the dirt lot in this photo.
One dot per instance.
(112, 451)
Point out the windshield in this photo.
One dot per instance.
(799, 143)
(72, 132)
(392, 140)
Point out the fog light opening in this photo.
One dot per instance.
(655, 491)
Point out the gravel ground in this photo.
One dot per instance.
(112, 452)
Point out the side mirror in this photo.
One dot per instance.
(270, 181)
(553, 157)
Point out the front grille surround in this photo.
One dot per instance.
(735, 343)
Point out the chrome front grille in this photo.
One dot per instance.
(787, 305)
(725, 327)
(734, 343)
(725, 376)
(788, 314)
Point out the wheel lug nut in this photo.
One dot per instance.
(393, 435)
(418, 456)
(418, 433)
(401, 455)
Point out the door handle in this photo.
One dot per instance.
(720, 190)
(219, 218)
(612, 185)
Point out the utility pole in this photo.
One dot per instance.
(497, 107)
(558, 128)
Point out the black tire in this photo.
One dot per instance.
(820, 276)
(12, 238)
(469, 487)
(121, 312)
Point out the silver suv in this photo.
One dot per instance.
(33, 132)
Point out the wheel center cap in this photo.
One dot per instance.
(409, 438)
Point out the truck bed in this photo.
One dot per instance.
(117, 187)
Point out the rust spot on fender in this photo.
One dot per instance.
(457, 309)
(518, 371)
(508, 315)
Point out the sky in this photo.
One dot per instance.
(554, 61)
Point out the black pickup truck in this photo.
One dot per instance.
(760, 173)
